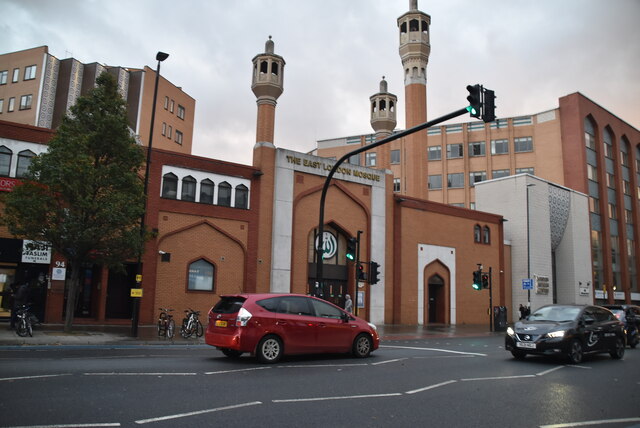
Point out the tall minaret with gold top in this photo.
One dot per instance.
(267, 85)
(414, 49)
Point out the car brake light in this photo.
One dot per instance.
(243, 317)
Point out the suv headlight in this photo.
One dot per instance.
(556, 334)
(510, 331)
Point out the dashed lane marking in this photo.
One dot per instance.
(199, 412)
(434, 349)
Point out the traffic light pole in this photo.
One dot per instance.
(355, 288)
(327, 182)
(490, 300)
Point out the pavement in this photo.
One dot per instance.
(94, 335)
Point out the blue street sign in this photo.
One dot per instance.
(527, 284)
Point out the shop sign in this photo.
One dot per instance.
(58, 274)
(36, 252)
(7, 184)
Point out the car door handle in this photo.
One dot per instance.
(322, 324)
(279, 322)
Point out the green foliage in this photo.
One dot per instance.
(85, 194)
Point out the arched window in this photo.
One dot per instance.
(224, 194)
(206, 191)
(414, 25)
(392, 106)
(477, 237)
(608, 143)
(403, 28)
(383, 105)
(264, 65)
(5, 161)
(242, 196)
(486, 235)
(188, 189)
(374, 105)
(274, 68)
(201, 276)
(425, 27)
(169, 186)
(24, 161)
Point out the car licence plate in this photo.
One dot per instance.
(221, 323)
(526, 345)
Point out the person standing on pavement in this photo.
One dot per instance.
(523, 311)
(348, 304)
(20, 298)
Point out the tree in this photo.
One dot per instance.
(84, 196)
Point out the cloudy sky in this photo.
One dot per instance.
(336, 51)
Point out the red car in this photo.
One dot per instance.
(271, 325)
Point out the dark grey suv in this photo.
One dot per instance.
(568, 330)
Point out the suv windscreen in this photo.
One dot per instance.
(228, 305)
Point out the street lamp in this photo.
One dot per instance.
(160, 56)
(528, 247)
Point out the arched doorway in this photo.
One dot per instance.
(436, 300)
(335, 269)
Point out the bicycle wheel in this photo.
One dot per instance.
(199, 329)
(161, 323)
(171, 327)
(21, 328)
(185, 329)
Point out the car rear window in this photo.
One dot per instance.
(228, 305)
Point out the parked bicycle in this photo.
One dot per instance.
(25, 321)
(191, 324)
(166, 324)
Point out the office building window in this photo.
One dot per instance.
(396, 185)
(626, 187)
(179, 137)
(477, 177)
(224, 194)
(497, 173)
(523, 144)
(1, 105)
(594, 205)
(435, 182)
(592, 173)
(628, 216)
(16, 75)
(455, 181)
(477, 233)
(499, 147)
(613, 215)
(455, 151)
(486, 235)
(524, 171)
(242, 197)
(5, 161)
(589, 134)
(611, 181)
(12, 104)
(164, 128)
(206, 191)
(608, 144)
(201, 275)
(3, 77)
(434, 153)
(370, 159)
(30, 72)
(25, 102)
(166, 103)
(477, 148)
(171, 105)
(24, 162)
(354, 160)
(169, 132)
(180, 112)
(395, 156)
(169, 186)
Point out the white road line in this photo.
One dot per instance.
(297, 400)
(34, 377)
(578, 367)
(388, 361)
(497, 378)
(549, 371)
(434, 349)
(304, 366)
(426, 388)
(140, 374)
(587, 423)
(236, 371)
(199, 412)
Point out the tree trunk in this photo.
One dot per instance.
(72, 293)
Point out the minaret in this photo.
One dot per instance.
(267, 85)
(383, 111)
(414, 52)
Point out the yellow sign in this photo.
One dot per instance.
(138, 278)
(136, 292)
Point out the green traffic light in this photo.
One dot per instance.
(477, 286)
(350, 256)
(471, 110)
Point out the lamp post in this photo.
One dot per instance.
(160, 56)
(528, 248)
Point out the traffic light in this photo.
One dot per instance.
(475, 100)
(374, 272)
(360, 272)
(485, 280)
(488, 106)
(352, 244)
(477, 280)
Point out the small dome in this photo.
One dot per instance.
(268, 46)
(383, 86)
